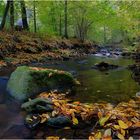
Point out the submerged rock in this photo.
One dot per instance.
(38, 104)
(104, 66)
(58, 122)
(26, 82)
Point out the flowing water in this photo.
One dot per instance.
(111, 86)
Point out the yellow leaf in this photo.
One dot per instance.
(52, 138)
(66, 128)
(43, 120)
(103, 120)
(122, 124)
(123, 132)
(107, 132)
(130, 138)
(50, 74)
(100, 115)
(98, 135)
(116, 127)
(56, 104)
(75, 121)
(91, 138)
(120, 136)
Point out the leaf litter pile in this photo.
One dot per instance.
(111, 122)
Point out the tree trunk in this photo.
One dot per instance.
(35, 17)
(60, 26)
(105, 39)
(65, 22)
(5, 15)
(24, 15)
(12, 14)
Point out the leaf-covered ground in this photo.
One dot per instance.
(23, 47)
(110, 122)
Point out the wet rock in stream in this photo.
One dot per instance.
(58, 122)
(38, 104)
(135, 68)
(33, 120)
(104, 66)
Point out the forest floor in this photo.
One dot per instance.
(23, 48)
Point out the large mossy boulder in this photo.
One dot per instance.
(26, 82)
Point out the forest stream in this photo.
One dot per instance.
(111, 86)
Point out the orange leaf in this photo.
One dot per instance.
(107, 138)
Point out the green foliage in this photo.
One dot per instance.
(110, 21)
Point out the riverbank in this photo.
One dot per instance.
(23, 48)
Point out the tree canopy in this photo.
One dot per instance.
(102, 21)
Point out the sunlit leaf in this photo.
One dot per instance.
(137, 124)
(116, 127)
(107, 132)
(91, 138)
(123, 132)
(130, 138)
(107, 138)
(122, 124)
(98, 135)
(52, 138)
(120, 136)
(100, 115)
(75, 121)
(103, 120)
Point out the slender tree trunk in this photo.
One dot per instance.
(105, 39)
(5, 15)
(24, 15)
(60, 26)
(35, 26)
(12, 14)
(66, 20)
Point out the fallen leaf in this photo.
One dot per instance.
(107, 132)
(103, 120)
(130, 138)
(117, 127)
(91, 138)
(137, 124)
(100, 115)
(123, 132)
(122, 124)
(75, 121)
(98, 135)
(107, 138)
(120, 136)
(52, 138)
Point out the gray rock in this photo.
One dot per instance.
(58, 122)
(26, 82)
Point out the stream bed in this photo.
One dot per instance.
(111, 86)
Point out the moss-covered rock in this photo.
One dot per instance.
(26, 81)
